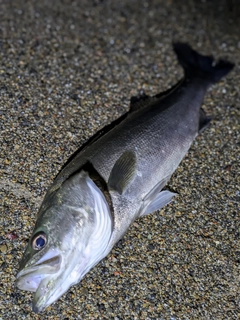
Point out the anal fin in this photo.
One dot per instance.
(204, 120)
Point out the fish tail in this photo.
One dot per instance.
(197, 65)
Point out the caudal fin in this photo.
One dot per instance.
(197, 65)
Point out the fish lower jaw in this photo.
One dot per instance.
(29, 282)
(46, 294)
(32, 287)
(30, 278)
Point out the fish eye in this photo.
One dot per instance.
(39, 240)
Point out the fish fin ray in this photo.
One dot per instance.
(123, 172)
(162, 199)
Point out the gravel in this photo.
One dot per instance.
(67, 69)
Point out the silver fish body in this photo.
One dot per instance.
(113, 179)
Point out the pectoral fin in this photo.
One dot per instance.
(122, 172)
(162, 199)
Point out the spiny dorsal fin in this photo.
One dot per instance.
(122, 172)
(143, 100)
(203, 120)
(137, 102)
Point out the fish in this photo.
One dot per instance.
(114, 178)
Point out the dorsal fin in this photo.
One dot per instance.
(144, 100)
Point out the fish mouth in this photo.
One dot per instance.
(30, 277)
(41, 278)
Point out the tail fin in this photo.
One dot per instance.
(197, 65)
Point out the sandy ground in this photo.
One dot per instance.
(67, 69)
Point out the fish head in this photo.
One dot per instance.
(71, 235)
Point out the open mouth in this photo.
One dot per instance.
(30, 277)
